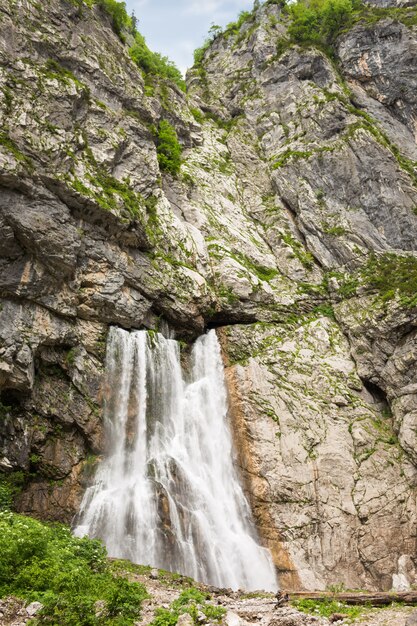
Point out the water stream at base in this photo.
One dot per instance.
(167, 493)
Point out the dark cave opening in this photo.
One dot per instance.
(379, 396)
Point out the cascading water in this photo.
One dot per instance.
(167, 494)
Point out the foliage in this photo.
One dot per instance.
(370, 14)
(390, 275)
(215, 31)
(110, 193)
(10, 486)
(325, 310)
(8, 144)
(305, 257)
(233, 28)
(53, 69)
(119, 16)
(6, 496)
(320, 21)
(153, 63)
(191, 601)
(328, 607)
(168, 148)
(68, 575)
(197, 114)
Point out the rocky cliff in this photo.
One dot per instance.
(291, 226)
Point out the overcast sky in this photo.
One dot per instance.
(176, 27)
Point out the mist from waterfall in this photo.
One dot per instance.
(167, 493)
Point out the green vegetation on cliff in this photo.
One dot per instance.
(153, 63)
(124, 25)
(309, 23)
(392, 275)
(168, 148)
(320, 21)
(119, 16)
(71, 577)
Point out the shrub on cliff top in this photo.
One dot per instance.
(320, 21)
(118, 15)
(153, 63)
(66, 574)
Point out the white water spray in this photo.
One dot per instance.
(167, 494)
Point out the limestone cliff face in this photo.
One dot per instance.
(292, 225)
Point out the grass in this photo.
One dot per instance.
(391, 275)
(388, 275)
(109, 193)
(53, 69)
(306, 258)
(327, 607)
(9, 145)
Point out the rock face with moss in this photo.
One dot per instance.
(275, 200)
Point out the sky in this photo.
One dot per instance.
(176, 27)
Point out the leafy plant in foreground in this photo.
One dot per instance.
(68, 575)
(191, 601)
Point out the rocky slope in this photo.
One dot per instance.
(291, 226)
(240, 609)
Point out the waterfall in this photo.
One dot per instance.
(167, 493)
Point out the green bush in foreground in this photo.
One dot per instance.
(69, 576)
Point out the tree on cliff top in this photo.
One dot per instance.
(320, 21)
